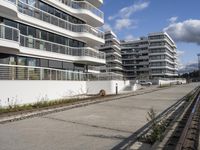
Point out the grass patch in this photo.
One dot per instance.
(39, 105)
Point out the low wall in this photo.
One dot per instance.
(93, 87)
(24, 92)
(165, 82)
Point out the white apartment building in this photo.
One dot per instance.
(149, 57)
(135, 58)
(112, 50)
(49, 39)
(162, 55)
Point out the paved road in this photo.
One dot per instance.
(95, 127)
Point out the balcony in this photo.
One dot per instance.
(49, 18)
(79, 52)
(47, 21)
(85, 10)
(9, 38)
(8, 8)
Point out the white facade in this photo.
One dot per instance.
(150, 57)
(64, 33)
(112, 50)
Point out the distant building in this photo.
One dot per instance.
(112, 50)
(149, 57)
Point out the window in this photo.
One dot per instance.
(23, 29)
(31, 31)
(21, 60)
(32, 62)
(44, 63)
(55, 64)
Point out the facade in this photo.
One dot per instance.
(149, 57)
(113, 54)
(135, 58)
(49, 40)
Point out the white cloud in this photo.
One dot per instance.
(106, 27)
(173, 20)
(124, 23)
(186, 31)
(123, 20)
(179, 55)
(126, 12)
(130, 37)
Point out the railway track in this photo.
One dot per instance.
(186, 133)
(176, 117)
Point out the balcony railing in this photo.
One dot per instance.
(16, 72)
(83, 5)
(9, 33)
(27, 41)
(47, 17)
(104, 76)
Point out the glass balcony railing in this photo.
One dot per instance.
(28, 41)
(83, 5)
(9, 33)
(49, 18)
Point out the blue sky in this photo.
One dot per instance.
(131, 19)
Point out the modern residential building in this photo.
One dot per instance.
(162, 55)
(149, 57)
(135, 58)
(113, 53)
(49, 39)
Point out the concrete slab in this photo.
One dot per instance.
(99, 126)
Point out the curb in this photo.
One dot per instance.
(72, 106)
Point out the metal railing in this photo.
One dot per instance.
(47, 17)
(104, 76)
(9, 33)
(83, 5)
(17, 72)
(28, 41)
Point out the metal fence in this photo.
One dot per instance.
(16, 72)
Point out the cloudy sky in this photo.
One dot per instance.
(131, 19)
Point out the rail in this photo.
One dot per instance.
(190, 135)
(47, 17)
(11, 33)
(31, 42)
(83, 5)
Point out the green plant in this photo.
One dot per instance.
(156, 129)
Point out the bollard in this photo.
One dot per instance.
(116, 88)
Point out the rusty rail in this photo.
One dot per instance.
(189, 138)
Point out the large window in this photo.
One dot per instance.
(52, 10)
(41, 34)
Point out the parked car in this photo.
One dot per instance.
(142, 82)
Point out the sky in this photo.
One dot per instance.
(131, 19)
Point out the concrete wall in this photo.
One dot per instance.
(166, 82)
(93, 87)
(23, 92)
